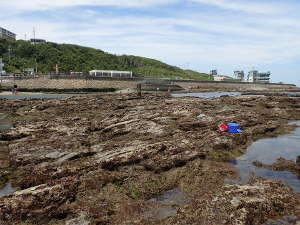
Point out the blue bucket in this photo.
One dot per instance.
(234, 128)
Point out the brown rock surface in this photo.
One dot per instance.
(98, 159)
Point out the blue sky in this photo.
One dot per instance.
(196, 34)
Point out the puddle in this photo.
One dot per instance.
(166, 205)
(207, 94)
(6, 190)
(290, 93)
(267, 151)
(4, 123)
(212, 94)
(38, 96)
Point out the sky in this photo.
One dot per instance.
(201, 35)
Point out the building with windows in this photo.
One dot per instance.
(257, 77)
(239, 75)
(111, 73)
(7, 34)
(37, 41)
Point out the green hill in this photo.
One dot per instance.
(23, 54)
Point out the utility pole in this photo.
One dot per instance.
(9, 53)
(34, 44)
(34, 35)
(56, 69)
(36, 67)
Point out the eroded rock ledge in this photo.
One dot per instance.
(98, 159)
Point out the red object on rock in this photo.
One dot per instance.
(223, 127)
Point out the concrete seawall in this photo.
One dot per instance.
(46, 82)
(68, 83)
(237, 86)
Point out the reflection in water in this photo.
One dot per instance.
(166, 204)
(207, 94)
(7, 189)
(4, 123)
(291, 93)
(212, 94)
(268, 151)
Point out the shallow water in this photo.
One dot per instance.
(291, 93)
(267, 151)
(212, 94)
(166, 204)
(4, 123)
(39, 96)
(207, 94)
(6, 190)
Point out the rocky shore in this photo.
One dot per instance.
(93, 160)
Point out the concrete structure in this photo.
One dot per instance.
(2, 72)
(73, 73)
(239, 75)
(256, 77)
(37, 41)
(7, 34)
(111, 73)
(29, 71)
(221, 78)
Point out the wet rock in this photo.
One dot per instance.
(240, 204)
(81, 220)
(248, 104)
(201, 116)
(287, 220)
(192, 125)
(111, 145)
(55, 155)
(74, 155)
(281, 165)
(37, 202)
(108, 128)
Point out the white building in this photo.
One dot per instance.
(220, 78)
(7, 34)
(239, 75)
(256, 77)
(111, 73)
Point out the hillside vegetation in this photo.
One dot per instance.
(69, 57)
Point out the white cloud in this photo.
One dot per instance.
(257, 37)
(205, 40)
(245, 6)
(48, 4)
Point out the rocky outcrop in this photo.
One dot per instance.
(247, 204)
(85, 159)
(37, 203)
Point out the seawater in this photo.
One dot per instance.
(267, 151)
